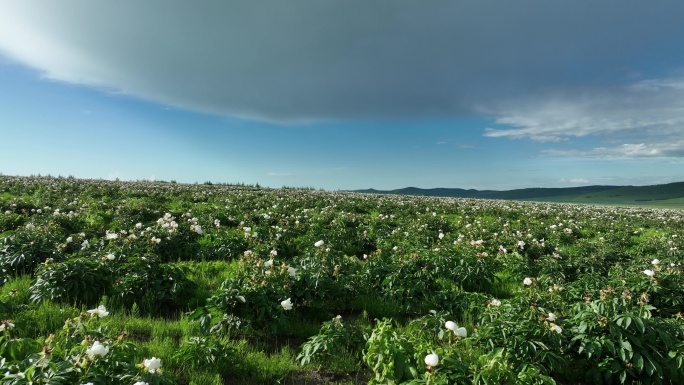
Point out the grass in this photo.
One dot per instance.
(261, 358)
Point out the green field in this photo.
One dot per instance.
(161, 283)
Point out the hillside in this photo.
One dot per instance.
(669, 195)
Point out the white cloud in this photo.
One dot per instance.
(643, 119)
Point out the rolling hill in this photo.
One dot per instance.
(669, 195)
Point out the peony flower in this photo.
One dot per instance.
(556, 328)
(286, 304)
(110, 256)
(319, 243)
(141, 383)
(551, 317)
(292, 271)
(69, 239)
(152, 365)
(101, 311)
(495, 302)
(459, 331)
(432, 359)
(6, 325)
(650, 273)
(268, 263)
(527, 281)
(655, 262)
(97, 350)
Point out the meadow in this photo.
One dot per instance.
(107, 282)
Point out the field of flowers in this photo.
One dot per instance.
(162, 283)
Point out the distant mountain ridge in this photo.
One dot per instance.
(663, 193)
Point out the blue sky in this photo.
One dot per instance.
(345, 94)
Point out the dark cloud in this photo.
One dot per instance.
(322, 59)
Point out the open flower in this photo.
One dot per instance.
(551, 317)
(527, 281)
(495, 302)
(286, 304)
(6, 325)
(459, 331)
(97, 349)
(432, 359)
(292, 271)
(319, 243)
(556, 328)
(152, 365)
(141, 383)
(650, 273)
(655, 262)
(101, 311)
(268, 263)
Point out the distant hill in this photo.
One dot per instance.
(663, 195)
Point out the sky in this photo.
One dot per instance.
(345, 94)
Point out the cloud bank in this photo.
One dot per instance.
(308, 60)
(640, 120)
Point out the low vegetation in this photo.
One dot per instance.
(163, 283)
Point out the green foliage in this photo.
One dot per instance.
(334, 339)
(82, 281)
(389, 355)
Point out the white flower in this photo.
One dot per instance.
(655, 262)
(432, 359)
(97, 350)
(141, 383)
(287, 304)
(495, 302)
(6, 325)
(556, 328)
(111, 235)
(152, 365)
(527, 281)
(292, 271)
(650, 273)
(459, 331)
(441, 235)
(90, 383)
(319, 243)
(110, 256)
(521, 244)
(268, 263)
(101, 311)
(273, 253)
(551, 317)
(198, 229)
(70, 239)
